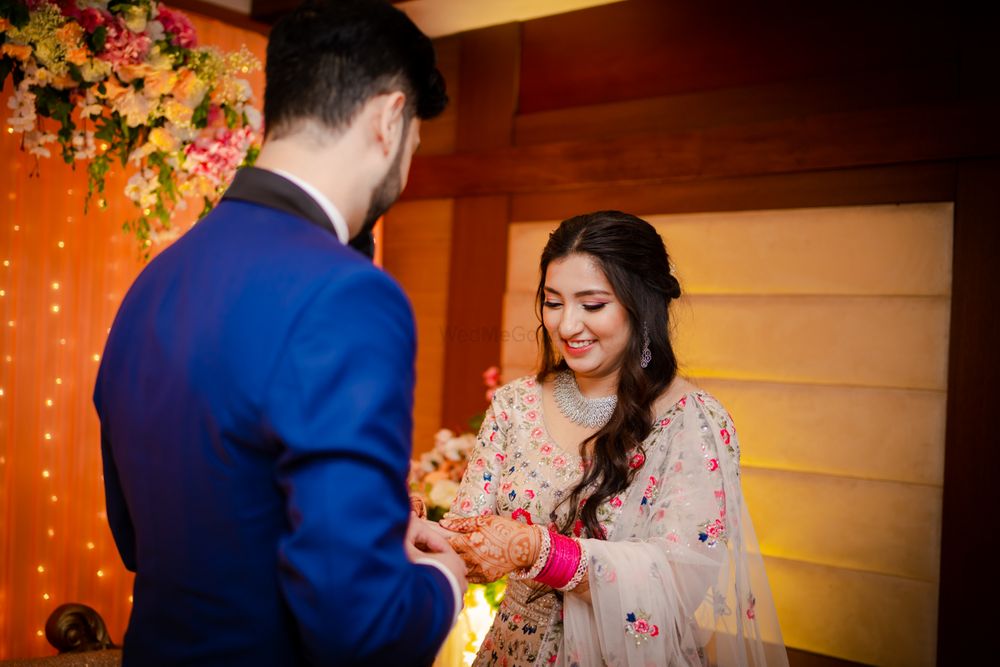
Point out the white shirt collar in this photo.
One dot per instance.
(336, 217)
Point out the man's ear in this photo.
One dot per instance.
(389, 121)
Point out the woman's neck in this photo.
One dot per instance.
(597, 386)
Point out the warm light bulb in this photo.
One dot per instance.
(54, 499)
(55, 308)
(70, 192)
(48, 436)
(1, 391)
(145, 211)
(46, 474)
(10, 130)
(61, 244)
(10, 323)
(100, 573)
(58, 380)
(52, 532)
(6, 262)
(48, 402)
(45, 596)
(17, 228)
(3, 292)
(39, 633)
(96, 357)
(55, 285)
(41, 569)
(130, 599)
(104, 146)
(91, 545)
(62, 341)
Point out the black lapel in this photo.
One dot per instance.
(266, 188)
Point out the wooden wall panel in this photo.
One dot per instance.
(866, 617)
(417, 253)
(895, 528)
(650, 48)
(853, 432)
(439, 135)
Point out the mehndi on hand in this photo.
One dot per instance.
(493, 546)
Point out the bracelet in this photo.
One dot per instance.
(582, 567)
(543, 556)
(562, 563)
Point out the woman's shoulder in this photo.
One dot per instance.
(515, 391)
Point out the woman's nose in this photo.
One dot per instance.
(569, 324)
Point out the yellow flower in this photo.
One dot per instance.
(114, 90)
(135, 19)
(163, 139)
(190, 90)
(159, 83)
(17, 51)
(5, 25)
(130, 72)
(95, 70)
(70, 34)
(77, 56)
(177, 113)
(63, 82)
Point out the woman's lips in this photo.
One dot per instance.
(577, 351)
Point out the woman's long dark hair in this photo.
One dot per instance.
(633, 258)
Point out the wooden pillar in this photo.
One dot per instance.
(968, 582)
(487, 102)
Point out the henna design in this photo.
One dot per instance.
(493, 546)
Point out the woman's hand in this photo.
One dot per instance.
(493, 546)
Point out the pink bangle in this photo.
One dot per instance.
(562, 563)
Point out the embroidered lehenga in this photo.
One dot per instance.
(678, 580)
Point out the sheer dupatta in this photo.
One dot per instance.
(680, 580)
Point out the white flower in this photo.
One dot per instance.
(443, 493)
(254, 118)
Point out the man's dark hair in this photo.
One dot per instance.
(328, 57)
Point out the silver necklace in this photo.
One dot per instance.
(589, 412)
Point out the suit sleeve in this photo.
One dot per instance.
(340, 402)
(119, 519)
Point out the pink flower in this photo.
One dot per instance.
(506, 487)
(466, 505)
(683, 402)
(529, 493)
(530, 382)
(615, 502)
(673, 537)
(725, 436)
(559, 461)
(653, 631)
(720, 495)
(537, 433)
(491, 376)
(500, 457)
(641, 626)
(650, 488)
(713, 465)
(486, 487)
(531, 415)
(122, 46)
(545, 449)
(664, 422)
(178, 25)
(520, 513)
(478, 464)
(503, 416)
(637, 460)
(530, 399)
(716, 528)
(678, 466)
(517, 618)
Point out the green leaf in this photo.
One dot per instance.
(97, 39)
(15, 11)
(232, 118)
(199, 118)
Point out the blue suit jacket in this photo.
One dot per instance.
(255, 401)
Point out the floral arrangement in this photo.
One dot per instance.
(123, 81)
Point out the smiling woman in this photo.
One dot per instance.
(606, 486)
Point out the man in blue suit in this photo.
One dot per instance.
(255, 392)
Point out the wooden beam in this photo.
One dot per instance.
(893, 184)
(830, 141)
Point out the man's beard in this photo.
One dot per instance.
(384, 196)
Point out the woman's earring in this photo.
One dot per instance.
(646, 355)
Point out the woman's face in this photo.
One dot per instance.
(587, 323)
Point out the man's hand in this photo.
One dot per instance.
(425, 539)
(493, 546)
